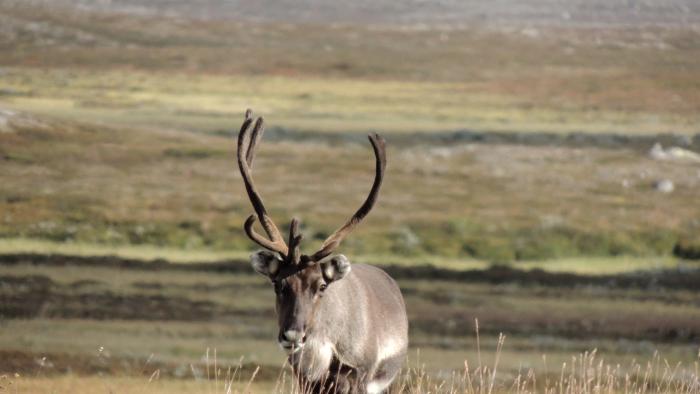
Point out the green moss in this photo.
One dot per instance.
(446, 240)
(17, 157)
(688, 247)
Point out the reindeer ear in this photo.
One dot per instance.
(335, 268)
(265, 262)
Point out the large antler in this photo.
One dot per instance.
(246, 154)
(334, 240)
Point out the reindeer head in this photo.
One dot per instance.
(300, 280)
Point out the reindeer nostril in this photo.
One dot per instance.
(293, 336)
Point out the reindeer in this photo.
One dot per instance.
(343, 326)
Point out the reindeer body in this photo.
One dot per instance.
(358, 339)
(345, 328)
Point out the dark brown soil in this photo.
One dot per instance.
(497, 274)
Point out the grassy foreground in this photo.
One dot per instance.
(583, 374)
(139, 321)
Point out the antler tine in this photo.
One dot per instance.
(294, 241)
(259, 239)
(246, 146)
(332, 242)
(254, 138)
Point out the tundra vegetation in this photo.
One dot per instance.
(519, 192)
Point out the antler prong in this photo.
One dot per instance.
(247, 141)
(334, 240)
(246, 147)
(259, 239)
(294, 241)
(258, 131)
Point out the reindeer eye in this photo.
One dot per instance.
(323, 287)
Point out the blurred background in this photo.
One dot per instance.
(543, 177)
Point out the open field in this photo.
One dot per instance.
(520, 190)
(152, 68)
(210, 103)
(136, 319)
(126, 117)
(598, 266)
(449, 14)
(70, 181)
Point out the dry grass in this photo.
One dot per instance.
(585, 373)
(173, 314)
(72, 384)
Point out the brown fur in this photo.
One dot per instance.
(354, 333)
(345, 329)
